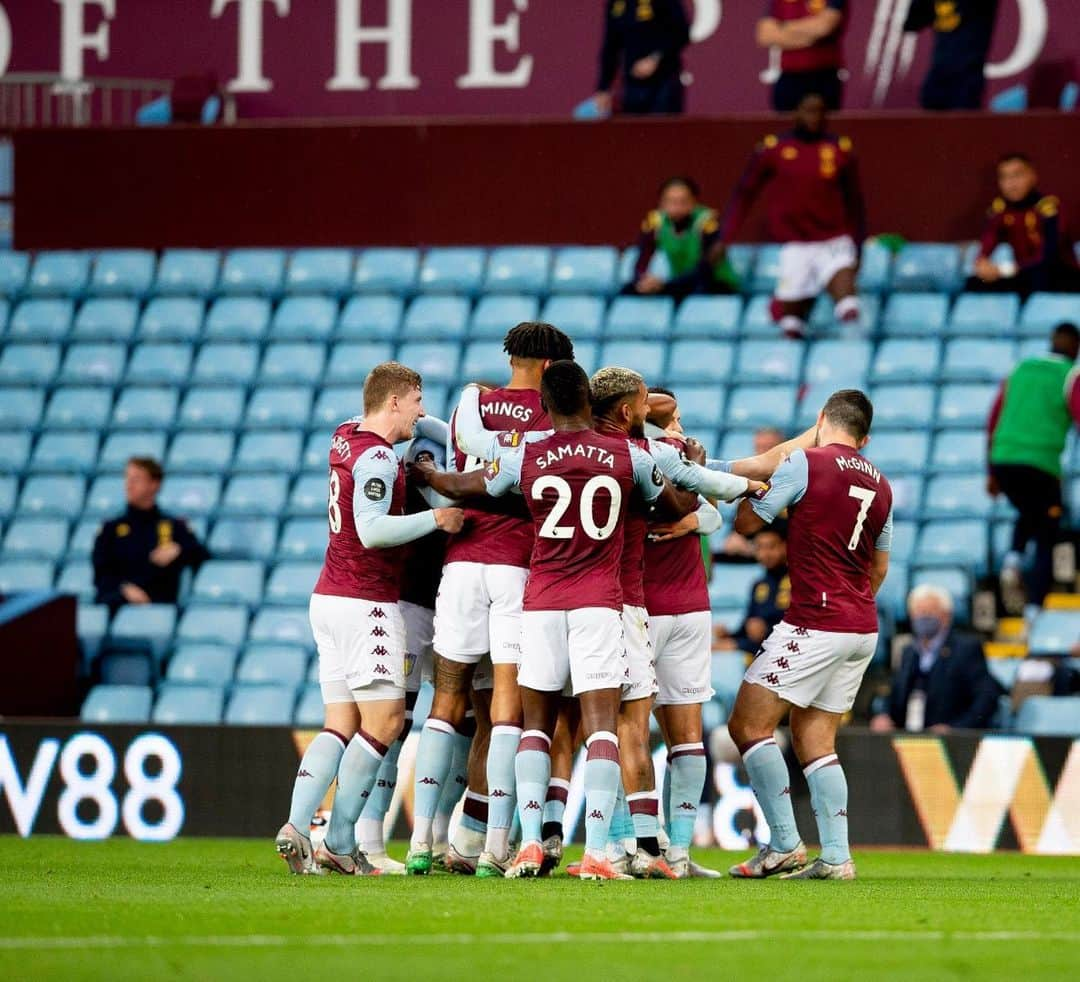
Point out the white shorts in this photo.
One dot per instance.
(806, 268)
(682, 649)
(361, 648)
(822, 669)
(419, 634)
(640, 671)
(478, 612)
(584, 647)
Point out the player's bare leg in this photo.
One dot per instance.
(842, 289)
(639, 782)
(464, 849)
(686, 772)
(813, 734)
(791, 316)
(532, 767)
(506, 735)
(757, 713)
(563, 745)
(316, 773)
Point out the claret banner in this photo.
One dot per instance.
(351, 58)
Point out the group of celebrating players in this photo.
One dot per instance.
(548, 578)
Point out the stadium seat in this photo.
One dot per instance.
(1055, 632)
(291, 584)
(190, 496)
(226, 364)
(641, 356)
(260, 271)
(127, 272)
(309, 495)
(435, 319)
(185, 704)
(387, 270)
(202, 664)
(336, 404)
(107, 704)
(902, 360)
(949, 543)
(225, 581)
(1049, 716)
(93, 364)
(700, 361)
(453, 270)
(36, 364)
(742, 256)
(370, 318)
(244, 538)
(105, 498)
(965, 405)
(210, 622)
(766, 269)
(19, 575)
(14, 267)
(707, 317)
(970, 360)
(731, 582)
(761, 405)
(587, 355)
(20, 408)
(728, 669)
(279, 406)
(81, 543)
(41, 320)
(281, 663)
(921, 314)
(959, 451)
(1044, 311)
(875, 267)
(769, 361)
(584, 269)
(639, 317)
(984, 315)
(199, 453)
(212, 407)
(320, 271)
(904, 538)
(730, 618)
(581, 317)
(351, 362)
(839, 363)
(188, 272)
(260, 705)
(518, 268)
(139, 408)
(237, 319)
(65, 452)
(898, 451)
(658, 265)
(701, 406)
(8, 490)
(105, 319)
(317, 451)
(152, 624)
(14, 454)
(255, 494)
(495, 315)
(171, 319)
(60, 273)
(77, 578)
(484, 362)
(159, 364)
(927, 266)
(309, 713)
(56, 494)
(958, 496)
(955, 580)
(907, 495)
(91, 626)
(1004, 670)
(269, 452)
(304, 319)
(823, 316)
(303, 538)
(436, 361)
(78, 406)
(1031, 348)
(757, 321)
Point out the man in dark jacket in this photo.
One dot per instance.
(942, 683)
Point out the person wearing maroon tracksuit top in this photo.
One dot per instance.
(809, 34)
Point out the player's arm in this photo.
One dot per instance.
(655, 488)
(879, 564)
(373, 491)
(434, 429)
(468, 433)
(791, 35)
(763, 466)
(693, 477)
(854, 203)
(787, 488)
(704, 520)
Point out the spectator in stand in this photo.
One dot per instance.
(1029, 422)
(688, 234)
(771, 595)
(809, 34)
(942, 683)
(815, 210)
(963, 30)
(138, 557)
(1033, 225)
(737, 546)
(648, 36)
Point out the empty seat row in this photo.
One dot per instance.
(181, 704)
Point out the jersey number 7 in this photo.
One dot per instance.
(866, 497)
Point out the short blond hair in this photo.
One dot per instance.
(391, 378)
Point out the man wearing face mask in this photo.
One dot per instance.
(942, 683)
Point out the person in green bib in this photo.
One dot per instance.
(1029, 421)
(687, 233)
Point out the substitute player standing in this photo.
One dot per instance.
(839, 536)
(355, 618)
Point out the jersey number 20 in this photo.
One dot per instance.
(866, 498)
(551, 529)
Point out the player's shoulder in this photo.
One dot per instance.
(651, 222)
(1048, 206)
(375, 455)
(997, 206)
(843, 142)
(769, 142)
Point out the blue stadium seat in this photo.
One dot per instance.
(769, 361)
(283, 625)
(907, 495)
(958, 496)
(304, 319)
(1055, 632)
(237, 319)
(188, 272)
(1032, 348)
(14, 454)
(701, 406)
(965, 405)
(190, 496)
(956, 580)
(928, 266)
(78, 406)
(731, 582)
(119, 447)
(761, 405)
(159, 364)
(436, 319)
(495, 315)
(20, 408)
(244, 538)
(14, 267)
(309, 713)
(742, 256)
(228, 581)
(91, 626)
(840, 363)
(766, 269)
(105, 319)
(77, 578)
(152, 624)
(707, 317)
(260, 705)
(41, 320)
(320, 271)
(484, 361)
(255, 494)
(171, 319)
(295, 362)
(453, 270)
(899, 451)
(757, 321)
(1044, 311)
(19, 575)
(279, 405)
(730, 619)
(336, 404)
(218, 624)
(900, 360)
(128, 272)
(107, 704)
(309, 495)
(970, 360)
(700, 361)
(581, 317)
(65, 452)
(584, 269)
(93, 364)
(959, 451)
(518, 268)
(905, 535)
(81, 544)
(436, 361)
(56, 494)
(646, 357)
(195, 452)
(61, 273)
(639, 317)
(269, 452)
(303, 538)
(139, 408)
(371, 318)
(728, 669)
(921, 314)
(948, 543)
(253, 271)
(1004, 670)
(212, 407)
(291, 584)
(226, 364)
(202, 664)
(285, 664)
(658, 265)
(36, 364)
(875, 267)
(105, 498)
(317, 450)
(182, 704)
(1049, 716)
(823, 316)
(8, 490)
(387, 270)
(985, 315)
(587, 355)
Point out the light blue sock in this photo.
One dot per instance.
(829, 798)
(601, 789)
(474, 812)
(369, 831)
(532, 771)
(622, 824)
(771, 782)
(434, 757)
(502, 752)
(317, 770)
(555, 806)
(684, 781)
(452, 790)
(644, 808)
(665, 798)
(356, 776)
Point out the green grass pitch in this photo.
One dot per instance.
(203, 909)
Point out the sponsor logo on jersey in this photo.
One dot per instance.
(375, 489)
(303, 772)
(499, 793)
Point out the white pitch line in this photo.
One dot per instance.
(553, 938)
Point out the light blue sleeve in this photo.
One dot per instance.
(686, 474)
(786, 487)
(374, 474)
(709, 519)
(647, 475)
(432, 428)
(884, 540)
(468, 430)
(503, 474)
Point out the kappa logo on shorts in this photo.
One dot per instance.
(772, 678)
(792, 646)
(379, 651)
(782, 662)
(802, 632)
(377, 612)
(378, 631)
(381, 670)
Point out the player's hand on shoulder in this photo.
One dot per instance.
(694, 451)
(419, 469)
(449, 519)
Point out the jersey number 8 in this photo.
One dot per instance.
(334, 506)
(551, 529)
